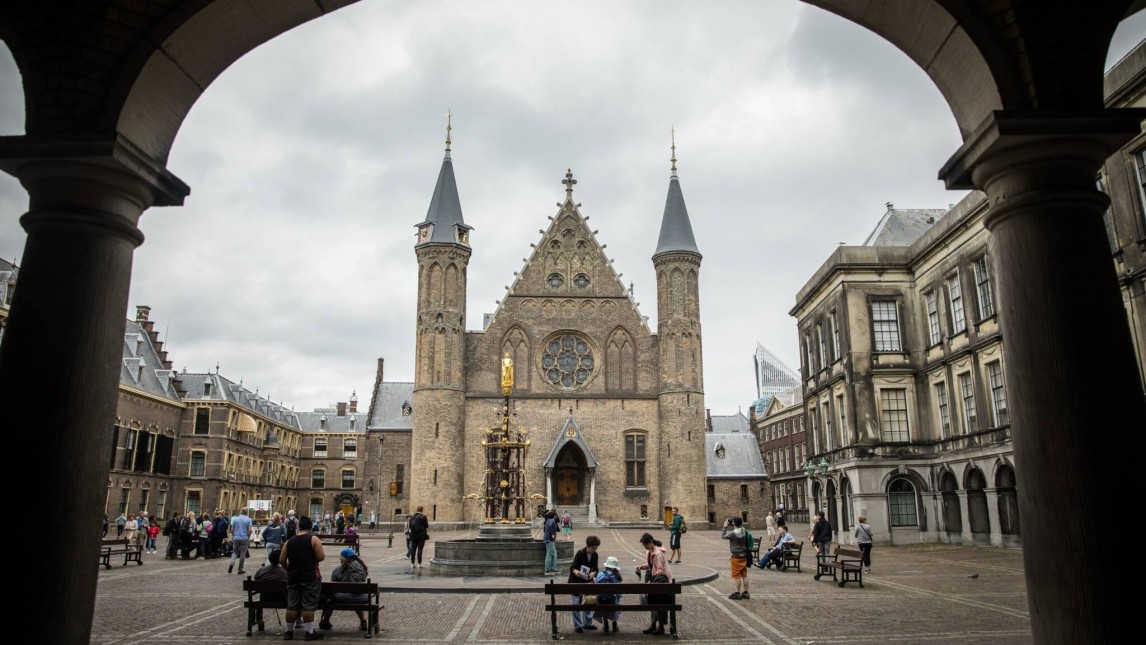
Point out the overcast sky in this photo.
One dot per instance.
(291, 264)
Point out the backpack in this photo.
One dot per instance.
(683, 526)
(749, 541)
(565, 521)
(291, 528)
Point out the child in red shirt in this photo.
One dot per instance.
(152, 533)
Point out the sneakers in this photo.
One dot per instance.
(744, 596)
(653, 629)
(591, 627)
(579, 630)
(314, 636)
(230, 568)
(734, 596)
(241, 572)
(289, 636)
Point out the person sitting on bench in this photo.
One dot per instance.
(351, 568)
(773, 555)
(272, 571)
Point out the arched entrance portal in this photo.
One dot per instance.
(846, 517)
(830, 502)
(569, 477)
(952, 513)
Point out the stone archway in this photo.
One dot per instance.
(1034, 123)
(846, 518)
(952, 512)
(1008, 505)
(830, 504)
(978, 516)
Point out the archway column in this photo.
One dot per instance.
(61, 357)
(964, 517)
(1068, 345)
(592, 495)
(993, 516)
(549, 488)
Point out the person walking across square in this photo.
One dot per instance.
(240, 539)
(674, 534)
(821, 536)
(863, 541)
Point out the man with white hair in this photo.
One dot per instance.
(291, 525)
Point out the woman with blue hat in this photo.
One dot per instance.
(351, 568)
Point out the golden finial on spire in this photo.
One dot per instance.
(449, 126)
(672, 133)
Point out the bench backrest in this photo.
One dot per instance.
(115, 542)
(575, 588)
(252, 586)
(795, 547)
(851, 554)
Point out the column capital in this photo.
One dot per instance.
(1015, 137)
(19, 155)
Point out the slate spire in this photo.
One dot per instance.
(444, 222)
(676, 229)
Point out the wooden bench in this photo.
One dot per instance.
(845, 565)
(117, 547)
(627, 589)
(340, 539)
(256, 589)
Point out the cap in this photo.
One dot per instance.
(348, 553)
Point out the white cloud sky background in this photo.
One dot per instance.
(291, 264)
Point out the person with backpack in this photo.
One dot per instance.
(419, 533)
(567, 526)
(738, 548)
(677, 527)
(291, 525)
(274, 533)
(611, 572)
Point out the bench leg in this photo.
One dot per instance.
(672, 621)
(250, 620)
(553, 622)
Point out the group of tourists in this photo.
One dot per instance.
(741, 543)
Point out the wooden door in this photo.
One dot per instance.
(568, 476)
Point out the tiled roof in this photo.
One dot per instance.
(741, 456)
(141, 368)
(730, 422)
(902, 226)
(389, 399)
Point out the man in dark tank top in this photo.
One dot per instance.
(300, 557)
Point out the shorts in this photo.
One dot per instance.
(674, 541)
(567, 530)
(304, 596)
(739, 567)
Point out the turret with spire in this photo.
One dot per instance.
(443, 252)
(680, 395)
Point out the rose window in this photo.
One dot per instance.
(568, 361)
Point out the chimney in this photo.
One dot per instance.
(141, 312)
(707, 420)
(341, 408)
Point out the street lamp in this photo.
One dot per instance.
(816, 472)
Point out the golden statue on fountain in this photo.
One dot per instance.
(505, 448)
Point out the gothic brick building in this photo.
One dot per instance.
(616, 412)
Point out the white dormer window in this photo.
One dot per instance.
(721, 453)
(207, 388)
(139, 370)
(353, 421)
(322, 422)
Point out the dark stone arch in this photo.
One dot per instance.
(952, 511)
(1007, 491)
(978, 517)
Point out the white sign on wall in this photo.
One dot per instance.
(259, 504)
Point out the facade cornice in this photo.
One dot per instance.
(127, 389)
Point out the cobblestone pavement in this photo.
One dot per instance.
(916, 594)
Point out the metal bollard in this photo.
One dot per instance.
(390, 540)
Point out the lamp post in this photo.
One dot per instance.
(815, 473)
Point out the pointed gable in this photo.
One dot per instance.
(570, 433)
(568, 268)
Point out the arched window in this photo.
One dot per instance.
(901, 503)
